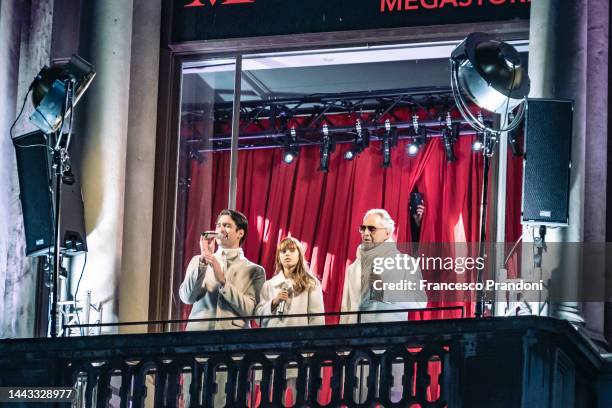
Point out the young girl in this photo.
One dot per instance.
(292, 284)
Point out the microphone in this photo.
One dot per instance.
(212, 234)
(281, 305)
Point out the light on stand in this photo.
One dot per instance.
(490, 74)
(50, 88)
(55, 93)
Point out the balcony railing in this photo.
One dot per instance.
(499, 362)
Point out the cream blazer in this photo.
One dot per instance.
(237, 298)
(306, 302)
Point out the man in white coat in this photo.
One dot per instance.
(362, 291)
(363, 285)
(223, 283)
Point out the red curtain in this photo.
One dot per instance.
(324, 210)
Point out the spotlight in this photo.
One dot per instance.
(289, 156)
(420, 137)
(491, 74)
(327, 147)
(51, 87)
(386, 147)
(412, 149)
(449, 134)
(291, 147)
(478, 144)
(362, 140)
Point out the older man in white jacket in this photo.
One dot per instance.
(363, 285)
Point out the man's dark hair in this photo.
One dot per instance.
(240, 219)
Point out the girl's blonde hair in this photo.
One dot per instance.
(302, 279)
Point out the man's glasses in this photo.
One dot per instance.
(371, 228)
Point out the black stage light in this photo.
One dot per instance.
(419, 137)
(449, 136)
(291, 147)
(327, 147)
(478, 144)
(490, 73)
(49, 90)
(361, 141)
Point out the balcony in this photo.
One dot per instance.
(497, 362)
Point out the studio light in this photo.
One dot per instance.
(327, 147)
(419, 139)
(490, 73)
(412, 149)
(449, 136)
(51, 87)
(291, 149)
(55, 93)
(362, 140)
(386, 148)
(478, 144)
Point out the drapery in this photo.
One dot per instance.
(324, 210)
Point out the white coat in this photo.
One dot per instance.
(351, 298)
(310, 301)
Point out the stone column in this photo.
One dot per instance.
(103, 129)
(558, 69)
(140, 165)
(596, 163)
(568, 58)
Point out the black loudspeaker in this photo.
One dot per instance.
(36, 183)
(547, 163)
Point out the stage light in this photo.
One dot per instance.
(361, 141)
(490, 73)
(327, 147)
(449, 134)
(386, 148)
(419, 139)
(291, 147)
(478, 144)
(53, 86)
(412, 149)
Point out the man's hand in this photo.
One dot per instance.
(207, 247)
(216, 267)
(418, 216)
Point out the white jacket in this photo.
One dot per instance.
(306, 302)
(351, 297)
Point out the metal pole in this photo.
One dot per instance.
(480, 301)
(235, 134)
(57, 159)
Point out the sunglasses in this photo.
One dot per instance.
(371, 228)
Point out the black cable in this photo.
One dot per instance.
(25, 99)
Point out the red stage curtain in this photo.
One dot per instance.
(324, 210)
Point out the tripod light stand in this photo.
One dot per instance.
(55, 92)
(491, 75)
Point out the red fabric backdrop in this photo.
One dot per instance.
(324, 210)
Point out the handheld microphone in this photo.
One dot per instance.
(281, 305)
(212, 234)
